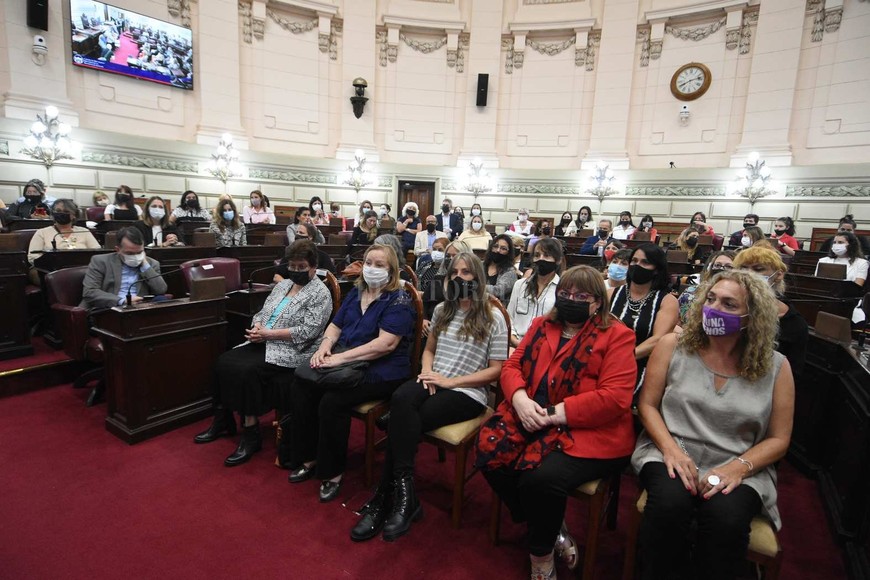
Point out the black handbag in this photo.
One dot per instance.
(346, 376)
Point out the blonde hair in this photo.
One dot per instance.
(479, 319)
(589, 280)
(146, 215)
(681, 241)
(757, 339)
(394, 282)
(764, 256)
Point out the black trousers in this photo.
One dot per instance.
(244, 382)
(413, 411)
(538, 496)
(320, 422)
(722, 529)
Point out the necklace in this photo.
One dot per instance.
(636, 305)
(568, 334)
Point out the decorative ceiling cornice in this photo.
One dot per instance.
(140, 161)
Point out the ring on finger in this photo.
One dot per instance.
(714, 480)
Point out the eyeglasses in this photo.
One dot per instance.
(575, 296)
(720, 267)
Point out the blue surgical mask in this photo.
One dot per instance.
(229, 215)
(617, 272)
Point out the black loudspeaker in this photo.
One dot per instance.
(482, 84)
(37, 14)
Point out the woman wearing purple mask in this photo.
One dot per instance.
(708, 451)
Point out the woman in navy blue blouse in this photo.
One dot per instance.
(375, 323)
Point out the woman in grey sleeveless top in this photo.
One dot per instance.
(717, 408)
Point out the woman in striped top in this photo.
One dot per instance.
(644, 304)
(467, 344)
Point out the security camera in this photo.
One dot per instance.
(684, 109)
(39, 45)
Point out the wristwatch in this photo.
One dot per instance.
(551, 410)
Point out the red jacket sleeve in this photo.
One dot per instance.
(614, 388)
(512, 378)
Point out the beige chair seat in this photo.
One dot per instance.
(762, 537)
(366, 407)
(457, 432)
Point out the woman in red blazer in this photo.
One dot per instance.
(566, 416)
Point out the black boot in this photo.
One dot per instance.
(406, 508)
(223, 424)
(373, 513)
(251, 442)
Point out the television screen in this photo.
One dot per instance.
(108, 38)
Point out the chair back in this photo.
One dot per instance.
(275, 239)
(65, 286)
(417, 337)
(9, 242)
(336, 221)
(332, 284)
(640, 236)
(23, 238)
(677, 256)
(718, 240)
(110, 241)
(412, 275)
(95, 214)
(229, 268)
(336, 240)
(203, 239)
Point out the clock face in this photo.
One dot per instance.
(690, 81)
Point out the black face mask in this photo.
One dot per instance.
(299, 278)
(430, 228)
(572, 312)
(545, 267)
(547, 230)
(62, 218)
(603, 234)
(637, 274)
(445, 208)
(457, 289)
(747, 225)
(191, 203)
(566, 221)
(34, 199)
(411, 213)
(625, 222)
(123, 197)
(779, 232)
(691, 242)
(498, 257)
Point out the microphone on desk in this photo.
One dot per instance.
(54, 240)
(251, 277)
(162, 275)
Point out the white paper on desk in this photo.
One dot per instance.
(208, 266)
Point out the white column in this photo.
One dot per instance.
(614, 69)
(218, 73)
(30, 82)
(484, 57)
(359, 59)
(772, 82)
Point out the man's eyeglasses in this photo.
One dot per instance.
(575, 296)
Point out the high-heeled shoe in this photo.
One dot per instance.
(566, 547)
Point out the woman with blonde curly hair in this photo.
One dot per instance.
(717, 408)
(688, 241)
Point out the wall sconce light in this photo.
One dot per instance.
(753, 182)
(357, 175)
(685, 115)
(224, 162)
(359, 100)
(49, 139)
(477, 180)
(601, 183)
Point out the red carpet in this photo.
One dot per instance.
(79, 503)
(127, 48)
(42, 354)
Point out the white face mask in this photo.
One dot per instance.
(745, 241)
(156, 212)
(839, 249)
(437, 256)
(103, 202)
(135, 260)
(375, 277)
(475, 212)
(476, 226)
(522, 217)
(255, 201)
(382, 211)
(317, 207)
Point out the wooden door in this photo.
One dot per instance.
(420, 192)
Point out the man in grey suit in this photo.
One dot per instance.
(110, 276)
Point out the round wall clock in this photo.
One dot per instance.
(691, 81)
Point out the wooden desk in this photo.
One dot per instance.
(572, 244)
(580, 259)
(52, 260)
(831, 440)
(805, 262)
(30, 224)
(242, 305)
(329, 230)
(171, 259)
(14, 331)
(820, 236)
(186, 227)
(256, 233)
(812, 286)
(146, 398)
(252, 258)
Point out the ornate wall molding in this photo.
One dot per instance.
(532, 2)
(456, 56)
(750, 19)
(507, 45)
(132, 160)
(4, 147)
(550, 48)
(246, 14)
(675, 191)
(386, 52)
(824, 19)
(385, 181)
(329, 42)
(695, 33)
(827, 191)
(291, 25)
(289, 175)
(422, 46)
(592, 42)
(180, 9)
(535, 188)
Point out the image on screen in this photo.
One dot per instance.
(111, 39)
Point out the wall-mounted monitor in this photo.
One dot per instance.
(115, 40)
